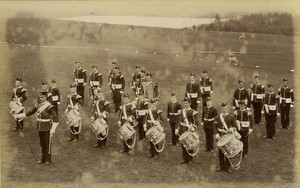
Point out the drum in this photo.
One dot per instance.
(72, 117)
(126, 131)
(99, 126)
(230, 145)
(15, 107)
(190, 140)
(155, 135)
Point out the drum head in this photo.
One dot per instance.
(225, 139)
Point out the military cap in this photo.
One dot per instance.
(72, 85)
(224, 104)
(19, 79)
(187, 99)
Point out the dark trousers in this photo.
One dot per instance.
(117, 98)
(45, 145)
(257, 107)
(153, 152)
(80, 91)
(185, 156)
(285, 115)
(102, 142)
(194, 104)
(141, 128)
(209, 138)
(204, 96)
(244, 139)
(223, 161)
(56, 108)
(19, 124)
(74, 129)
(129, 142)
(270, 125)
(174, 136)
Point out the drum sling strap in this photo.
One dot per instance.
(73, 131)
(98, 109)
(133, 137)
(185, 118)
(223, 122)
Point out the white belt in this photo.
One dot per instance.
(79, 80)
(211, 119)
(206, 88)
(54, 97)
(94, 83)
(174, 114)
(142, 112)
(43, 120)
(259, 96)
(287, 100)
(193, 95)
(272, 107)
(117, 86)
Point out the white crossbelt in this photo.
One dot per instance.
(43, 120)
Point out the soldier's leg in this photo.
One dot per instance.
(287, 115)
(268, 126)
(272, 125)
(282, 114)
(172, 125)
(221, 160)
(184, 154)
(42, 143)
(141, 128)
(245, 147)
(206, 139)
(47, 146)
(259, 108)
(256, 112)
(151, 150)
(210, 139)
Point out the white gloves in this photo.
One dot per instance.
(217, 137)
(19, 116)
(168, 119)
(231, 130)
(176, 131)
(292, 106)
(145, 127)
(278, 114)
(250, 131)
(198, 102)
(92, 118)
(262, 112)
(119, 123)
(121, 92)
(52, 130)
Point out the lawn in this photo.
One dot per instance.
(55, 45)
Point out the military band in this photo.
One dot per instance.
(19, 97)
(80, 79)
(286, 95)
(173, 111)
(257, 95)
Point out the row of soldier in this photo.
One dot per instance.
(137, 110)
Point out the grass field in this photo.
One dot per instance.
(61, 43)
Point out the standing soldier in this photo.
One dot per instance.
(150, 88)
(153, 118)
(141, 81)
(286, 95)
(100, 110)
(206, 86)
(45, 114)
(257, 96)
(241, 94)
(45, 88)
(187, 120)
(127, 112)
(244, 123)
(142, 109)
(95, 80)
(225, 123)
(193, 92)
(117, 87)
(80, 79)
(74, 102)
(271, 111)
(19, 96)
(208, 117)
(174, 108)
(111, 73)
(55, 95)
(136, 77)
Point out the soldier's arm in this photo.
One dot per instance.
(123, 83)
(195, 117)
(292, 97)
(100, 80)
(31, 112)
(58, 94)
(211, 85)
(80, 102)
(107, 107)
(23, 95)
(84, 75)
(160, 118)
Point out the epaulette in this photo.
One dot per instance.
(83, 70)
(249, 113)
(235, 112)
(23, 90)
(292, 90)
(99, 74)
(78, 96)
(159, 111)
(14, 89)
(122, 76)
(121, 107)
(279, 89)
(210, 80)
(195, 112)
(251, 85)
(179, 111)
(106, 103)
(133, 106)
(262, 86)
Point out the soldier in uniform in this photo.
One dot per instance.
(286, 95)
(19, 95)
(271, 111)
(206, 86)
(173, 110)
(225, 123)
(136, 79)
(46, 124)
(127, 113)
(153, 118)
(95, 80)
(241, 94)
(80, 79)
(187, 120)
(245, 125)
(100, 110)
(45, 88)
(55, 94)
(193, 92)
(257, 96)
(111, 72)
(141, 111)
(150, 88)
(141, 81)
(74, 102)
(117, 87)
(208, 118)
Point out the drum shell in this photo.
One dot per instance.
(99, 126)
(230, 145)
(72, 118)
(190, 140)
(126, 131)
(155, 135)
(15, 107)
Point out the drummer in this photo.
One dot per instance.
(225, 123)
(153, 118)
(100, 110)
(188, 121)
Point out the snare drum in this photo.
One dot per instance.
(15, 107)
(230, 145)
(99, 126)
(72, 117)
(155, 135)
(190, 140)
(126, 131)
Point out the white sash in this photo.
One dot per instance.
(185, 118)
(223, 122)
(124, 112)
(98, 110)
(42, 108)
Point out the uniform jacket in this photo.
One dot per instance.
(95, 79)
(157, 116)
(80, 76)
(206, 85)
(76, 99)
(244, 116)
(141, 108)
(130, 112)
(271, 103)
(241, 94)
(103, 106)
(208, 117)
(229, 120)
(19, 94)
(44, 118)
(191, 116)
(118, 82)
(286, 95)
(55, 95)
(193, 90)
(173, 111)
(257, 92)
(136, 77)
(150, 90)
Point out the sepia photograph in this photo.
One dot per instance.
(158, 93)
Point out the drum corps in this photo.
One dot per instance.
(140, 115)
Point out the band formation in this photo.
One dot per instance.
(141, 119)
